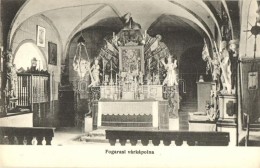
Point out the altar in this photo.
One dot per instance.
(134, 81)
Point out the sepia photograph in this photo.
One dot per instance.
(132, 83)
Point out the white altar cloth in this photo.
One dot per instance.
(128, 108)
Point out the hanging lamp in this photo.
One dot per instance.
(81, 65)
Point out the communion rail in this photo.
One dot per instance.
(25, 135)
(192, 138)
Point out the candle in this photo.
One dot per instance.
(113, 35)
(145, 32)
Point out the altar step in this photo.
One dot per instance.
(99, 135)
(186, 108)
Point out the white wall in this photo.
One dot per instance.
(23, 120)
(27, 32)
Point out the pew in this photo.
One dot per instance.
(25, 135)
(192, 138)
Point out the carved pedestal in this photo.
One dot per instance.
(227, 116)
(227, 107)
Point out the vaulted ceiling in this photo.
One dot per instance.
(70, 16)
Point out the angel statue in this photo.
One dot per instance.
(225, 65)
(171, 67)
(95, 73)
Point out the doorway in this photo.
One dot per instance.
(191, 67)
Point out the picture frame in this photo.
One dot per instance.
(40, 36)
(252, 80)
(128, 55)
(52, 53)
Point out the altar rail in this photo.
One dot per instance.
(192, 138)
(25, 135)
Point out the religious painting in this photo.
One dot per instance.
(252, 80)
(52, 53)
(40, 36)
(131, 59)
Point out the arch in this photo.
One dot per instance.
(23, 60)
(75, 30)
(191, 66)
(45, 18)
(12, 24)
(229, 18)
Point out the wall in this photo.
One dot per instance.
(178, 42)
(250, 99)
(27, 32)
(23, 120)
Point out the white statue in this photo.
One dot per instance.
(171, 67)
(225, 65)
(95, 72)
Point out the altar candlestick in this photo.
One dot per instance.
(116, 82)
(103, 71)
(153, 78)
(158, 66)
(137, 67)
(149, 63)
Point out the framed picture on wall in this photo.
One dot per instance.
(40, 36)
(252, 80)
(52, 53)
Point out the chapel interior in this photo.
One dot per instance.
(157, 65)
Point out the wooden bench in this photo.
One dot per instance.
(192, 138)
(18, 135)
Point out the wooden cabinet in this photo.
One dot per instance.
(66, 114)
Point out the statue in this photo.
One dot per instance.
(141, 77)
(171, 78)
(234, 50)
(225, 65)
(95, 73)
(216, 67)
(129, 23)
(11, 74)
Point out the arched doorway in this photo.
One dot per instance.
(25, 53)
(191, 67)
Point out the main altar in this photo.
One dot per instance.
(134, 80)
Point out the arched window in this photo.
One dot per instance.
(25, 53)
(250, 41)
